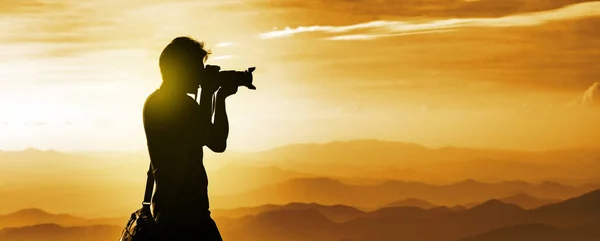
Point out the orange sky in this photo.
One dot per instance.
(75, 74)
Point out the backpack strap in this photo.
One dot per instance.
(149, 188)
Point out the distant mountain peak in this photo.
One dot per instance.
(412, 202)
(301, 204)
(495, 205)
(46, 226)
(527, 201)
(491, 203)
(521, 195)
(551, 184)
(31, 212)
(469, 182)
(287, 215)
(32, 151)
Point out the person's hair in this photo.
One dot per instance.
(181, 55)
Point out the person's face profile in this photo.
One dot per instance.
(195, 76)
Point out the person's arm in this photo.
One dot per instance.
(205, 125)
(220, 129)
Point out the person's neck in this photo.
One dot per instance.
(172, 89)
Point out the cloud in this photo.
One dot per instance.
(428, 9)
(56, 21)
(376, 36)
(224, 44)
(65, 28)
(385, 28)
(37, 123)
(559, 57)
(591, 97)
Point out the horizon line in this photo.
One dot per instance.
(259, 150)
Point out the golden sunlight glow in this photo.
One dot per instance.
(487, 108)
(86, 78)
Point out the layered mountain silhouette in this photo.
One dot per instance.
(406, 161)
(329, 191)
(412, 202)
(570, 213)
(53, 232)
(337, 213)
(288, 224)
(361, 166)
(575, 219)
(538, 231)
(236, 178)
(528, 201)
(34, 216)
(409, 161)
(491, 220)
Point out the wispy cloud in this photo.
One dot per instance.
(343, 10)
(105, 41)
(37, 123)
(591, 97)
(375, 36)
(386, 28)
(64, 28)
(224, 44)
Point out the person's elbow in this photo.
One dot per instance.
(218, 147)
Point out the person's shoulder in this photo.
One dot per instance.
(166, 102)
(152, 99)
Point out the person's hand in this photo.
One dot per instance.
(209, 86)
(209, 79)
(227, 90)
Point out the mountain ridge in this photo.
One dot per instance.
(36, 216)
(328, 191)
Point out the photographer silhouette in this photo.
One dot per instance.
(177, 128)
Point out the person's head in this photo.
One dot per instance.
(181, 63)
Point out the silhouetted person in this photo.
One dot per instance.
(177, 128)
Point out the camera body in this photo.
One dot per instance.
(230, 77)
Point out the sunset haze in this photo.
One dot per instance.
(432, 120)
(482, 74)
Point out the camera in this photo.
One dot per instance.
(230, 77)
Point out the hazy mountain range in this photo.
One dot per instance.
(368, 174)
(412, 202)
(352, 159)
(34, 216)
(330, 192)
(409, 161)
(527, 201)
(336, 213)
(573, 219)
(490, 220)
(493, 220)
(53, 232)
